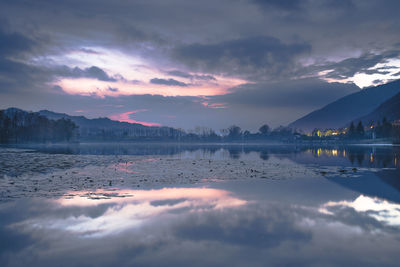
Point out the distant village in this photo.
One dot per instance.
(371, 131)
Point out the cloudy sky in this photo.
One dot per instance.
(186, 63)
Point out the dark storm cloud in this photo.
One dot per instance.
(263, 55)
(96, 72)
(281, 4)
(310, 93)
(15, 75)
(297, 6)
(149, 22)
(178, 73)
(91, 72)
(171, 82)
(12, 43)
(182, 74)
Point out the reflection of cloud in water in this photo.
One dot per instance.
(131, 208)
(378, 209)
(255, 234)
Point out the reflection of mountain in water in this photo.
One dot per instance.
(391, 177)
(384, 185)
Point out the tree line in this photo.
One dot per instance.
(25, 127)
(383, 129)
(235, 133)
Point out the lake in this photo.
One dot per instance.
(126, 204)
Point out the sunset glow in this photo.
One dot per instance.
(132, 76)
(126, 117)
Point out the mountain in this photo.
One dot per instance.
(84, 122)
(369, 185)
(348, 108)
(390, 109)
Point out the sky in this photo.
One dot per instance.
(187, 63)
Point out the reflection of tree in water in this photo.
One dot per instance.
(360, 159)
(358, 156)
(370, 156)
(264, 155)
(235, 153)
(384, 160)
(373, 156)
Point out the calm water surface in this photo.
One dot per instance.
(339, 220)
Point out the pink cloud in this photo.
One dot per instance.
(125, 117)
(96, 88)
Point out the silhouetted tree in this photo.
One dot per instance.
(19, 126)
(264, 130)
(234, 132)
(351, 132)
(360, 130)
(386, 128)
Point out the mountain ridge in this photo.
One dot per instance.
(83, 120)
(390, 109)
(348, 108)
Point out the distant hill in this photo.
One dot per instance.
(106, 129)
(19, 126)
(84, 122)
(390, 109)
(101, 129)
(348, 108)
